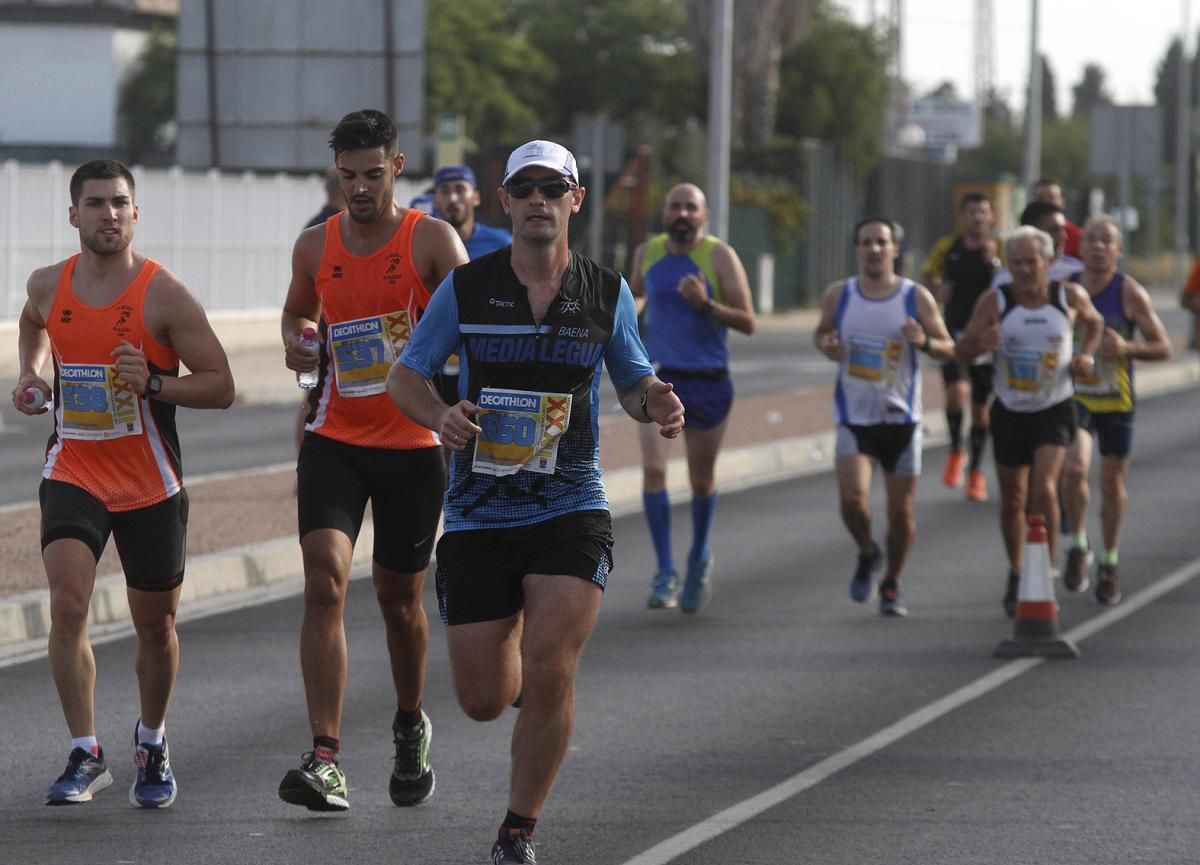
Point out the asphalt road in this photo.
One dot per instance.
(784, 724)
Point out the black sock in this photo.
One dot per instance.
(328, 745)
(515, 823)
(954, 421)
(978, 440)
(407, 720)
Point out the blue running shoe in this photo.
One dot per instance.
(697, 588)
(663, 591)
(155, 785)
(862, 586)
(890, 602)
(84, 776)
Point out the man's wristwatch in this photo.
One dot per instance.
(153, 386)
(645, 395)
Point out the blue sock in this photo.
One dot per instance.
(658, 518)
(702, 519)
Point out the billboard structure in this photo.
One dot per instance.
(261, 84)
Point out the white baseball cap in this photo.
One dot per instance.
(544, 153)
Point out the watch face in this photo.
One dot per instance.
(153, 385)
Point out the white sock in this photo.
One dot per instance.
(150, 736)
(87, 743)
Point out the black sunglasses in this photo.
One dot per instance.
(551, 187)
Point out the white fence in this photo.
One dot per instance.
(228, 236)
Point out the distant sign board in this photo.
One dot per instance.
(947, 121)
(1125, 137)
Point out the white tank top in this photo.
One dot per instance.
(878, 378)
(1033, 360)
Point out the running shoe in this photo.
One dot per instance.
(412, 776)
(890, 602)
(1010, 594)
(976, 487)
(1108, 585)
(952, 474)
(155, 785)
(862, 587)
(84, 776)
(697, 587)
(663, 591)
(513, 847)
(317, 785)
(1075, 571)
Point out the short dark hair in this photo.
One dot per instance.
(1036, 211)
(869, 220)
(362, 130)
(1047, 181)
(98, 169)
(973, 198)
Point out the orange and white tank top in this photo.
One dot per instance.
(369, 306)
(120, 447)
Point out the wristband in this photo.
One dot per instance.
(925, 344)
(708, 306)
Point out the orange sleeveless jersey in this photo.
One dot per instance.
(121, 448)
(369, 306)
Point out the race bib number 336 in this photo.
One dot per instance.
(96, 403)
(521, 431)
(364, 350)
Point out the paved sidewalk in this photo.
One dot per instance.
(242, 540)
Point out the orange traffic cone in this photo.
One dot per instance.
(1035, 634)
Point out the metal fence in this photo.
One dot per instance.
(227, 236)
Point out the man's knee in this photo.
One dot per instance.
(155, 632)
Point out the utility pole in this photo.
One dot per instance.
(1183, 145)
(1032, 165)
(720, 101)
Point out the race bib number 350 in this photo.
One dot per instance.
(521, 431)
(365, 349)
(96, 404)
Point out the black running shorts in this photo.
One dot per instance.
(151, 541)
(480, 572)
(1016, 435)
(405, 487)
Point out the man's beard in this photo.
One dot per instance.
(682, 231)
(99, 248)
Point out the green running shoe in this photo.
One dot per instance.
(412, 777)
(317, 785)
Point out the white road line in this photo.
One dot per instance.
(736, 815)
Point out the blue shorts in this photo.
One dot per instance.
(707, 395)
(1112, 429)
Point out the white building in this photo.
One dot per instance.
(63, 63)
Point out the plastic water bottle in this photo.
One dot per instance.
(308, 340)
(34, 398)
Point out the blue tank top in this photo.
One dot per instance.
(678, 336)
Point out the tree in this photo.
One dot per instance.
(625, 58)
(1166, 94)
(146, 102)
(1049, 92)
(479, 65)
(834, 85)
(763, 32)
(1092, 90)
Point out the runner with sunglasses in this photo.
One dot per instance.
(527, 547)
(693, 288)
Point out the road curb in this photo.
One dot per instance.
(276, 564)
